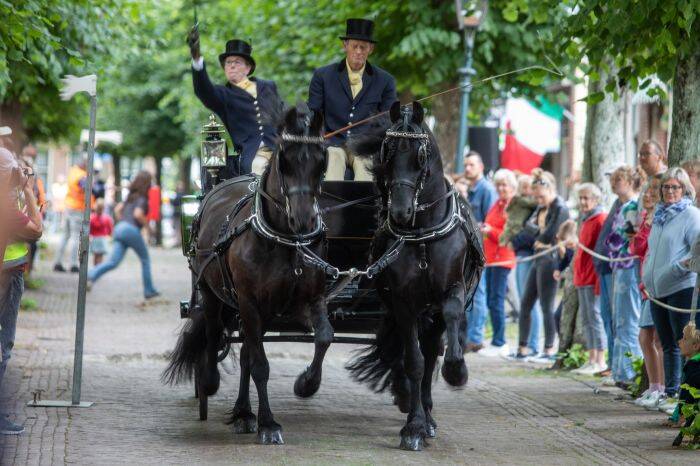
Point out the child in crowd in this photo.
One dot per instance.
(519, 210)
(627, 183)
(690, 350)
(648, 338)
(101, 226)
(566, 236)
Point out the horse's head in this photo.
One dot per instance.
(300, 164)
(404, 160)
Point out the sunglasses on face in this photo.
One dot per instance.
(671, 187)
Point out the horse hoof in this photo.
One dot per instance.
(455, 372)
(245, 425)
(304, 387)
(411, 442)
(270, 436)
(431, 430)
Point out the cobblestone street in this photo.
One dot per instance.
(509, 413)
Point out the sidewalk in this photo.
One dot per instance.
(508, 414)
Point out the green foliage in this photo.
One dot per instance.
(638, 367)
(692, 410)
(639, 37)
(33, 283)
(575, 357)
(42, 40)
(28, 304)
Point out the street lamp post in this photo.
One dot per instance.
(468, 25)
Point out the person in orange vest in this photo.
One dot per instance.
(73, 216)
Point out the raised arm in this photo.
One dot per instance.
(210, 96)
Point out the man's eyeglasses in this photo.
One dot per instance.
(540, 183)
(671, 187)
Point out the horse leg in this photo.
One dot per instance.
(269, 432)
(413, 433)
(242, 417)
(430, 343)
(214, 332)
(309, 381)
(454, 369)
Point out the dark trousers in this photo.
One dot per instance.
(669, 325)
(540, 285)
(496, 285)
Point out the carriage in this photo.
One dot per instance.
(350, 216)
(287, 252)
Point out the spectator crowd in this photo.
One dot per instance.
(627, 274)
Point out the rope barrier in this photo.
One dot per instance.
(590, 252)
(524, 259)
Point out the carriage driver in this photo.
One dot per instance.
(241, 104)
(349, 91)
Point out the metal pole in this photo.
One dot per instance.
(465, 73)
(84, 259)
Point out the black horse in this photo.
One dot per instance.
(248, 240)
(426, 288)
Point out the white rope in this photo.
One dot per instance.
(524, 259)
(590, 252)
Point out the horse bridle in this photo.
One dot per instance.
(295, 190)
(405, 129)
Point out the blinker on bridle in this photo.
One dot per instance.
(405, 129)
(303, 189)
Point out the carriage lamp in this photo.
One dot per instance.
(213, 146)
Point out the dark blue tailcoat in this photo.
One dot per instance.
(246, 119)
(330, 93)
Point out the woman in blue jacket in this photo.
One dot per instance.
(667, 278)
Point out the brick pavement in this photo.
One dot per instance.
(508, 414)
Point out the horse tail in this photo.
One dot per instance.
(190, 347)
(381, 364)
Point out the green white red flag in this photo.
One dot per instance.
(532, 129)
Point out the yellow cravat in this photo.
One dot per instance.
(249, 86)
(355, 78)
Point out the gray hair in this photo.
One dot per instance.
(680, 175)
(591, 188)
(506, 176)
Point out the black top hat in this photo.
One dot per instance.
(359, 29)
(238, 48)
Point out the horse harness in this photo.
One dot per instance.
(458, 215)
(255, 221)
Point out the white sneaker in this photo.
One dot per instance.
(582, 369)
(590, 369)
(669, 404)
(493, 351)
(644, 396)
(607, 381)
(652, 400)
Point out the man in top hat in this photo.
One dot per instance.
(349, 91)
(243, 103)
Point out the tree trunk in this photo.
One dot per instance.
(604, 139)
(446, 114)
(117, 165)
(159, 182)
(11, 115)
(685, 122)
(184, 175)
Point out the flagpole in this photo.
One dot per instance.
(73, 85)
(84, 259)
